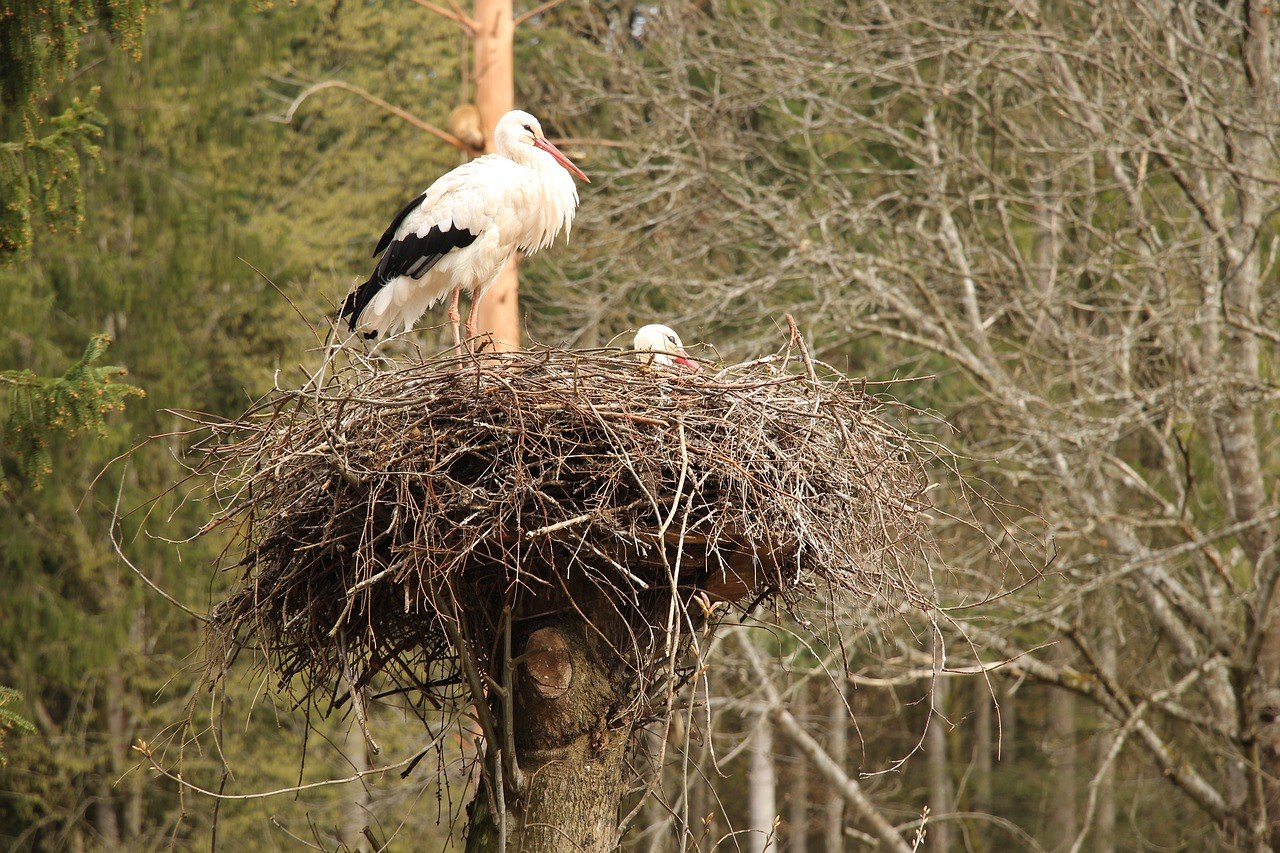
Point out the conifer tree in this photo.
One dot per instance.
(43, 149)
(10, 720)
(43, 144)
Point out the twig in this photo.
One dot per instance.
(468, 24)
(144, 749)
(115, 544)
(524, 17)
(287, 116)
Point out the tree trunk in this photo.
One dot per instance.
(762, 788)
(355, 815)
(571, 756)
(1008, 746)
(1062, 825)
(1104, 838)
(837, 748)
(939, 771)
(983, 754)
(798, 804)
(107, 818)
(495, 96)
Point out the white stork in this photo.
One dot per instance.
(659, 345)
(464, 229)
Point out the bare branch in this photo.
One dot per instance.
(287, 116)
(459, 17)
(536, 11)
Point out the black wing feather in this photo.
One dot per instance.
(412, 255)
(390, 233)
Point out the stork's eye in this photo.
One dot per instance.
(530, 129)
(671, 338)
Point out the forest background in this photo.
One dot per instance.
(1057, 218)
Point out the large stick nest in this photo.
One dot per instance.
(394, 516)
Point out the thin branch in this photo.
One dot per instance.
(144, 749)
(534, 12)
(468, 24)
(115, 544)
(287, 116)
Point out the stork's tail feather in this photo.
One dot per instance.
(358, 300)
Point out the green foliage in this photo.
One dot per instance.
(9, 720)
(42, 145)
(40, 40)
(73, 403)
(41, 173)
(195, 178)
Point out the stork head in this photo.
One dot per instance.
(519, 136)
(658, 344)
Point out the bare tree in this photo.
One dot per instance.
(1065, 210)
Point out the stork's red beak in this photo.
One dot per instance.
(560, 158)
(684, 361)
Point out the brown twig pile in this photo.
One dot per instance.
(392, 517)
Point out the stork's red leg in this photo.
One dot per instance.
(455, 318)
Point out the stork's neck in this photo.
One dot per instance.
(554, 199)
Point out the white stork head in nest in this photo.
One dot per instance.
(658, 344)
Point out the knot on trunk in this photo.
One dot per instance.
(547, 665)
(570, 681)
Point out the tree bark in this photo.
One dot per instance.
(1062, 824)
(355, 815)
(837, 748)
(495, 96)
(1105, 818)
(798, 804)
(762, 787)
(983, 754)
(571, 755)
(939, 771)
(107, 817)
(1253, 155)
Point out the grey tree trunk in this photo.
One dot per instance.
(941, 795)
(655, 820)
(838, 749)
(762, 787)
(355, 815)
(1008, 746)
(1062, 824)
(702, 821)
(1104, 830)
(983, 756)
(107, 818)
(798, 804)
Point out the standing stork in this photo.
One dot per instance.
(464, 229)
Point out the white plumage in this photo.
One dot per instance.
(465, 228)
(660, 345)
